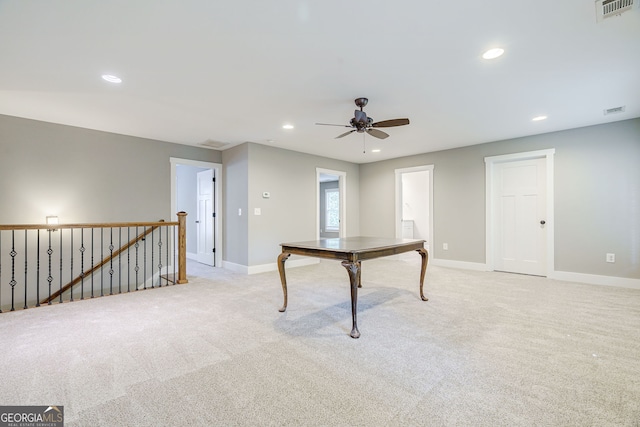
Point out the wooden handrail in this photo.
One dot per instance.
(86, 225)
(106, 260)
(181, 246)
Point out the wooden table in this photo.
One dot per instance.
(352, 251)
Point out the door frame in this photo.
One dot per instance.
(217, 167)
(398, 201)
(342, 187)
(490, 162)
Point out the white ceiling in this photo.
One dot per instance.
(236, 71)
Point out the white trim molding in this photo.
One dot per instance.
(594, 279)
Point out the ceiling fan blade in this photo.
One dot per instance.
(377, 133)
(344, 134)
(390, 123)
(331, 124)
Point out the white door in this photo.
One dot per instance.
(520, 209)
(205, 219)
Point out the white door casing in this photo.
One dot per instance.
(217, 197)
(520, 213)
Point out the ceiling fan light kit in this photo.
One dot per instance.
(361, 123)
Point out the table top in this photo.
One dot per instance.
(354, 245)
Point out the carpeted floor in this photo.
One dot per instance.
(487, 349)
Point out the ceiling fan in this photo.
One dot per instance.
(361, 123)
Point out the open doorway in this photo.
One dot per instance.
(331, 212)
(414, 203)
(195, 189)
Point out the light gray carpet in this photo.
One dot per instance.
(488, 349)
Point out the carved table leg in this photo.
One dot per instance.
(281, 260)
(359, 274)
(353, 268)
(425, 260)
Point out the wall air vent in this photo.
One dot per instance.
(608, 8)
(614, 110)
(210, 143)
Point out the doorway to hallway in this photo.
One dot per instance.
(331, 206)
(414, 203)
(196, 189)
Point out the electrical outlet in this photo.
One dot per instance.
(445, 246)
(611, 258)
(239, 211)
(257, 211)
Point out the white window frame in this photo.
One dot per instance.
(327, 227)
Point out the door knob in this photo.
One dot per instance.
(543, 222)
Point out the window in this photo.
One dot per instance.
(332, 209)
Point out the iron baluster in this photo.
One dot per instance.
(128, 261)
(26, 269)
(92, 247)
(120, 261)
(49, 277)
(160, 256)
(71, 260)
(101, 257)
(152, 244)
(144, 258)
(38, 268)
(61, 265)
(82, 249)
(13, 254)
(111, 261)
(166, 230)
(0, 271)
(137, 268)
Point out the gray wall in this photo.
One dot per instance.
(289, 214)
(235, 172)
(83, 175)
(597, 197)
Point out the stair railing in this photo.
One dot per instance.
(77, 261)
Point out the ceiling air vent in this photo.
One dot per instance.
(210, 143)
(608, 8)
(614, 110)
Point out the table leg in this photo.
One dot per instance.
(353, 268)
(282, 258)
(425, 260)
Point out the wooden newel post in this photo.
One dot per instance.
(182, 248)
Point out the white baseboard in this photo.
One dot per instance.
(476, 266)
(191, 255)
(263, 268)
(594, 279)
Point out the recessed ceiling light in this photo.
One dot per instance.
(111, 78)
(377, 150)
(287, 126)
(493, 53)
(538, 118)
